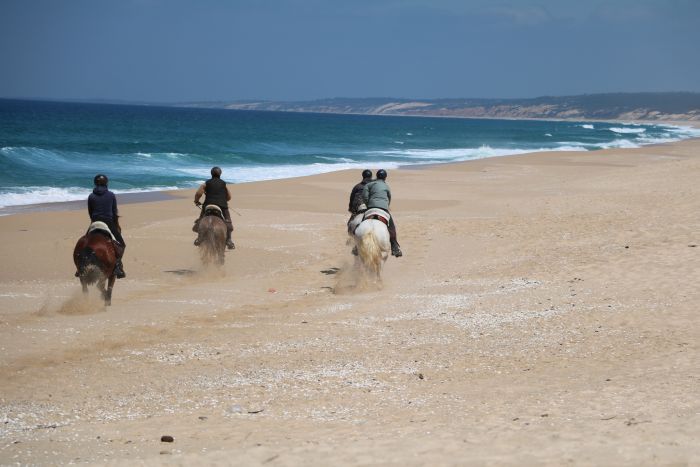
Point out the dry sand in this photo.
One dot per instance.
(545, 312)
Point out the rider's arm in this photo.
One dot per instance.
(228, 194)
(365, 193)
(352, 198)
(199, 193)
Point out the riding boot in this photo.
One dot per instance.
(118, 266)
(197, 241)
(119, 269)
(396, 249)
(229, 243)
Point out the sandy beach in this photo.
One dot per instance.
(545, 312)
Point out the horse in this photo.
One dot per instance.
(211, 237)
(372, 240)
(94, 256)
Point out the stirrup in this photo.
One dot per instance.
(197, 241)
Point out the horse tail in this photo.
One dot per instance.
(370, 251)
(89, 266)
(212, 237)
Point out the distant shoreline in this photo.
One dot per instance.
(622, 106)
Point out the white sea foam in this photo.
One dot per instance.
(427, 156)
(681, 132)
(618, 144)
(548, 134)
(39, 195)
(339, 159)
(627, 130)
(587, 126)
(249, 173)
(20, 196)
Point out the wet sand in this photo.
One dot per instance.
(545, 312)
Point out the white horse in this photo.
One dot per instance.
(372, 240)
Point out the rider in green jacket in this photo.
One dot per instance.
(377, 194)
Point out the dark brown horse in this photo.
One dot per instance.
(212, 236)
(94, 257)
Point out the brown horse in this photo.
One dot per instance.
(212, 236)
(94, 257)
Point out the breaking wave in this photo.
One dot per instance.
(627, 130)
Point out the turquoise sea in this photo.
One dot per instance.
(50, 151)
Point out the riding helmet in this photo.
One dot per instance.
(101, 180)
(381, 174)
(366, 173)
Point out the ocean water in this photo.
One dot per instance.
(50, 151)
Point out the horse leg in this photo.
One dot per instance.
(101, 288)
(84, 285)
(222, 253)
(108, 292)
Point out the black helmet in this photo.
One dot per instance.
(101, 180)
(216, 172)
(381, 174)
(366, 173)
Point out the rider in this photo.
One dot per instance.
(377, 194)
(356, 203)
(102, 206)
(218, 194)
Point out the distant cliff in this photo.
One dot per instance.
(623, 106)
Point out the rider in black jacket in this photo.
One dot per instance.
(357, 204)
(217, 193)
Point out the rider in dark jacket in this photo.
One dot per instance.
(356, 193)
(217, 193)
(357, 204)
(377, 194)
(102, 206)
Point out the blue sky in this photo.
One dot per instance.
(175, 50)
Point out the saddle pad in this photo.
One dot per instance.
(379, 213)
(98, 225)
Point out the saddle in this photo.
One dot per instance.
(378, 214)
(102, 228)
(214, 210)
